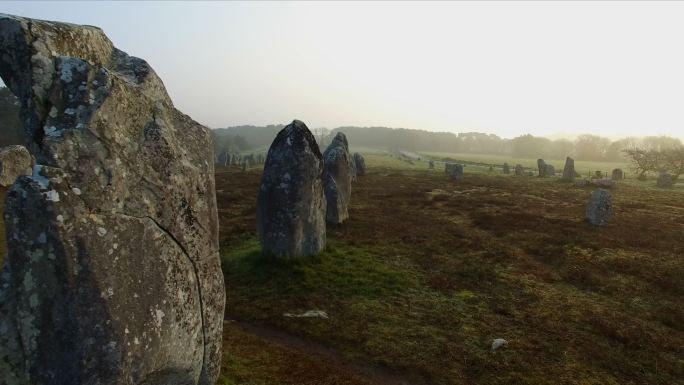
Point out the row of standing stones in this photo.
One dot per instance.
(301, 190)
(113, 273)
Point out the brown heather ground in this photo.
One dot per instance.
(427, 273)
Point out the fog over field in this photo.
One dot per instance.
(347, 193)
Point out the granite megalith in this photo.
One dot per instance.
(113, 273)
(291, 206)
(337, 179)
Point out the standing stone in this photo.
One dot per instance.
(491, 168)
(569, 170)
(519, 170)
(223, 158)
(550, 170)
(600, 207)
(456, 172)
(360, 163)
(291, 204)
(541, 165)
(337, 179)
(15, 161)
(665, 180)
(617, 174)
(431, 164)
(113, 273)
(506, 169)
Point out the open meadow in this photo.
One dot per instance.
(427, 272)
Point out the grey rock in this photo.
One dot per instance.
(617, 174)
(455, 170)
(113, 273)
(337, 179)
(665, 180)
(15, 161)
(569, 173)
(506, 169)
(541, 165)
(291, 205)
(550, 170)
(519, 170)
(600, 207)
(360, 164)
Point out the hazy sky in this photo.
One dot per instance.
(508, 68)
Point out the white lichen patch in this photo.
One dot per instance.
(76, 190)
(101, 231)
(52, 196)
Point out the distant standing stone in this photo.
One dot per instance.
(337, 179)
(360, 163)
(291, 204)
(541, 165)
(491, 168)
(569, 170)
(431, 164)
(600, 207)
(665, 180)
(519, 170)
(14, 162)
(617, 174)
(457, 172)
(550, 170)
(506, 169)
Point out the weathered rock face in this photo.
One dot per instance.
(337, 180)
(541, 165)
(291, 205)
(14, 162)
(519, 170)
(617, 174)
(506, 169)
(600, 207)
(113, 274)
(569, 170)
(360, 164)
(665, 180)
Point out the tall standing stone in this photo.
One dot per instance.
(569, 170)
(337, 179)
(112, 274)
(291, 204)
(541, 165)
(360, 163)
(600, 207)
(15, 161)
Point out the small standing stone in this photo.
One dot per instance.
(457, 172)
(569, 170)
(617, 174)
(665, 180)
(550, 170)
(506, 169)
(541, 165)
(600, 207)
(519, 170)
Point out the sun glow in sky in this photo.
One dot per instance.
(509, 68)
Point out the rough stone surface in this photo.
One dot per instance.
(665, 180)
(541, 165)
(337, 179)
(569, 170)
(291, 206)
(360, 164)
(617, 174)
(506, 169)
(600, 207)
(15, 161)
(113, 273)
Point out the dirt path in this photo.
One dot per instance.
(374, 374)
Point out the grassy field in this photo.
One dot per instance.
(427, 273)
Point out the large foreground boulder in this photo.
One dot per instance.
(15, 161)
(337, 179)
(113, 274)
(291, 205)
(600, 207)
